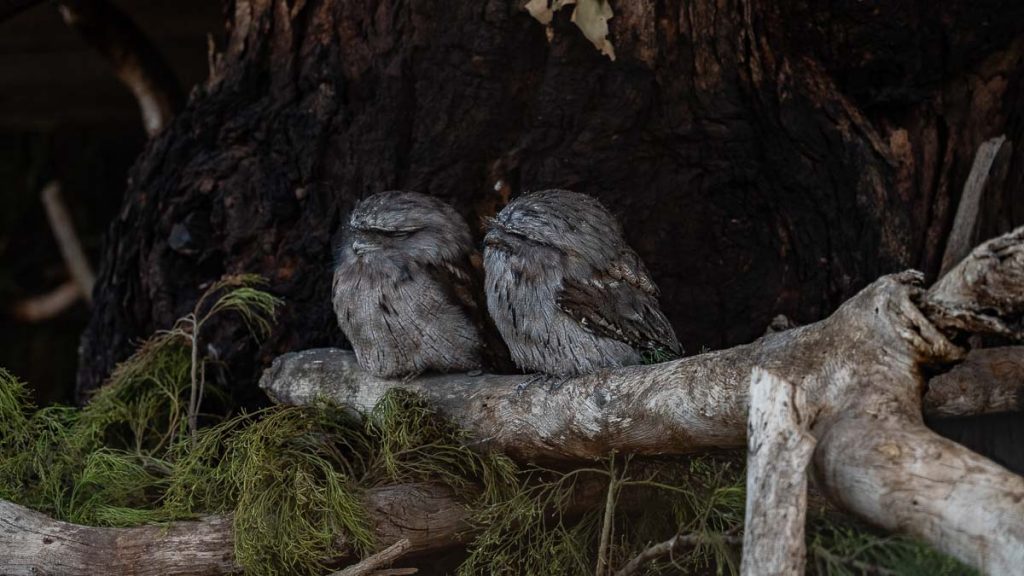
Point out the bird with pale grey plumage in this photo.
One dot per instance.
(565, 290)
(408, 288)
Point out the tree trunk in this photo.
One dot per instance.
(764, 157)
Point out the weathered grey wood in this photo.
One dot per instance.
(988, 381)
(779, 451)
(32, 543)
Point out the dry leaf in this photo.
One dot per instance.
(590, 16)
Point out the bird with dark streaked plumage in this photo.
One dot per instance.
(407, 288)
(566, 291)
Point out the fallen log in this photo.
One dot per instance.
(428, 516)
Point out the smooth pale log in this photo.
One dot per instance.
(779, 451)
(988, 381)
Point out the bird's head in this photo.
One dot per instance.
(572, 223)
(407, 225)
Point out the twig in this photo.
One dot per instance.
(67, 240)
(134, 58)
(609, 517)
(49, 305)
(965, 221)
(371, 564)
(864, 567)
(669, 546)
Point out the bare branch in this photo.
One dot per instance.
(49, 305)
(966, 220)
(669, 547)
(136, 61)
(67, 240)
(371, 564)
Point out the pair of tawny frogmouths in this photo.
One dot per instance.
(565, 294)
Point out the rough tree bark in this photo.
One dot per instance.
(765, 157)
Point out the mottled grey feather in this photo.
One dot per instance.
(404, 287)
(566, 292)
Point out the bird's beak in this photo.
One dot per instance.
(361, 247)
(492, 240)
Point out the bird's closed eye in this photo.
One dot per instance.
(392, 233)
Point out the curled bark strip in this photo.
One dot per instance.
(779, 451)
(135, 60)
(988, 381)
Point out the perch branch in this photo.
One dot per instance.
(860, 369)
(135, 60)
(779, 452)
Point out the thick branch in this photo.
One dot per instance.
(780, 449)
(905, 478)
(988, 381)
